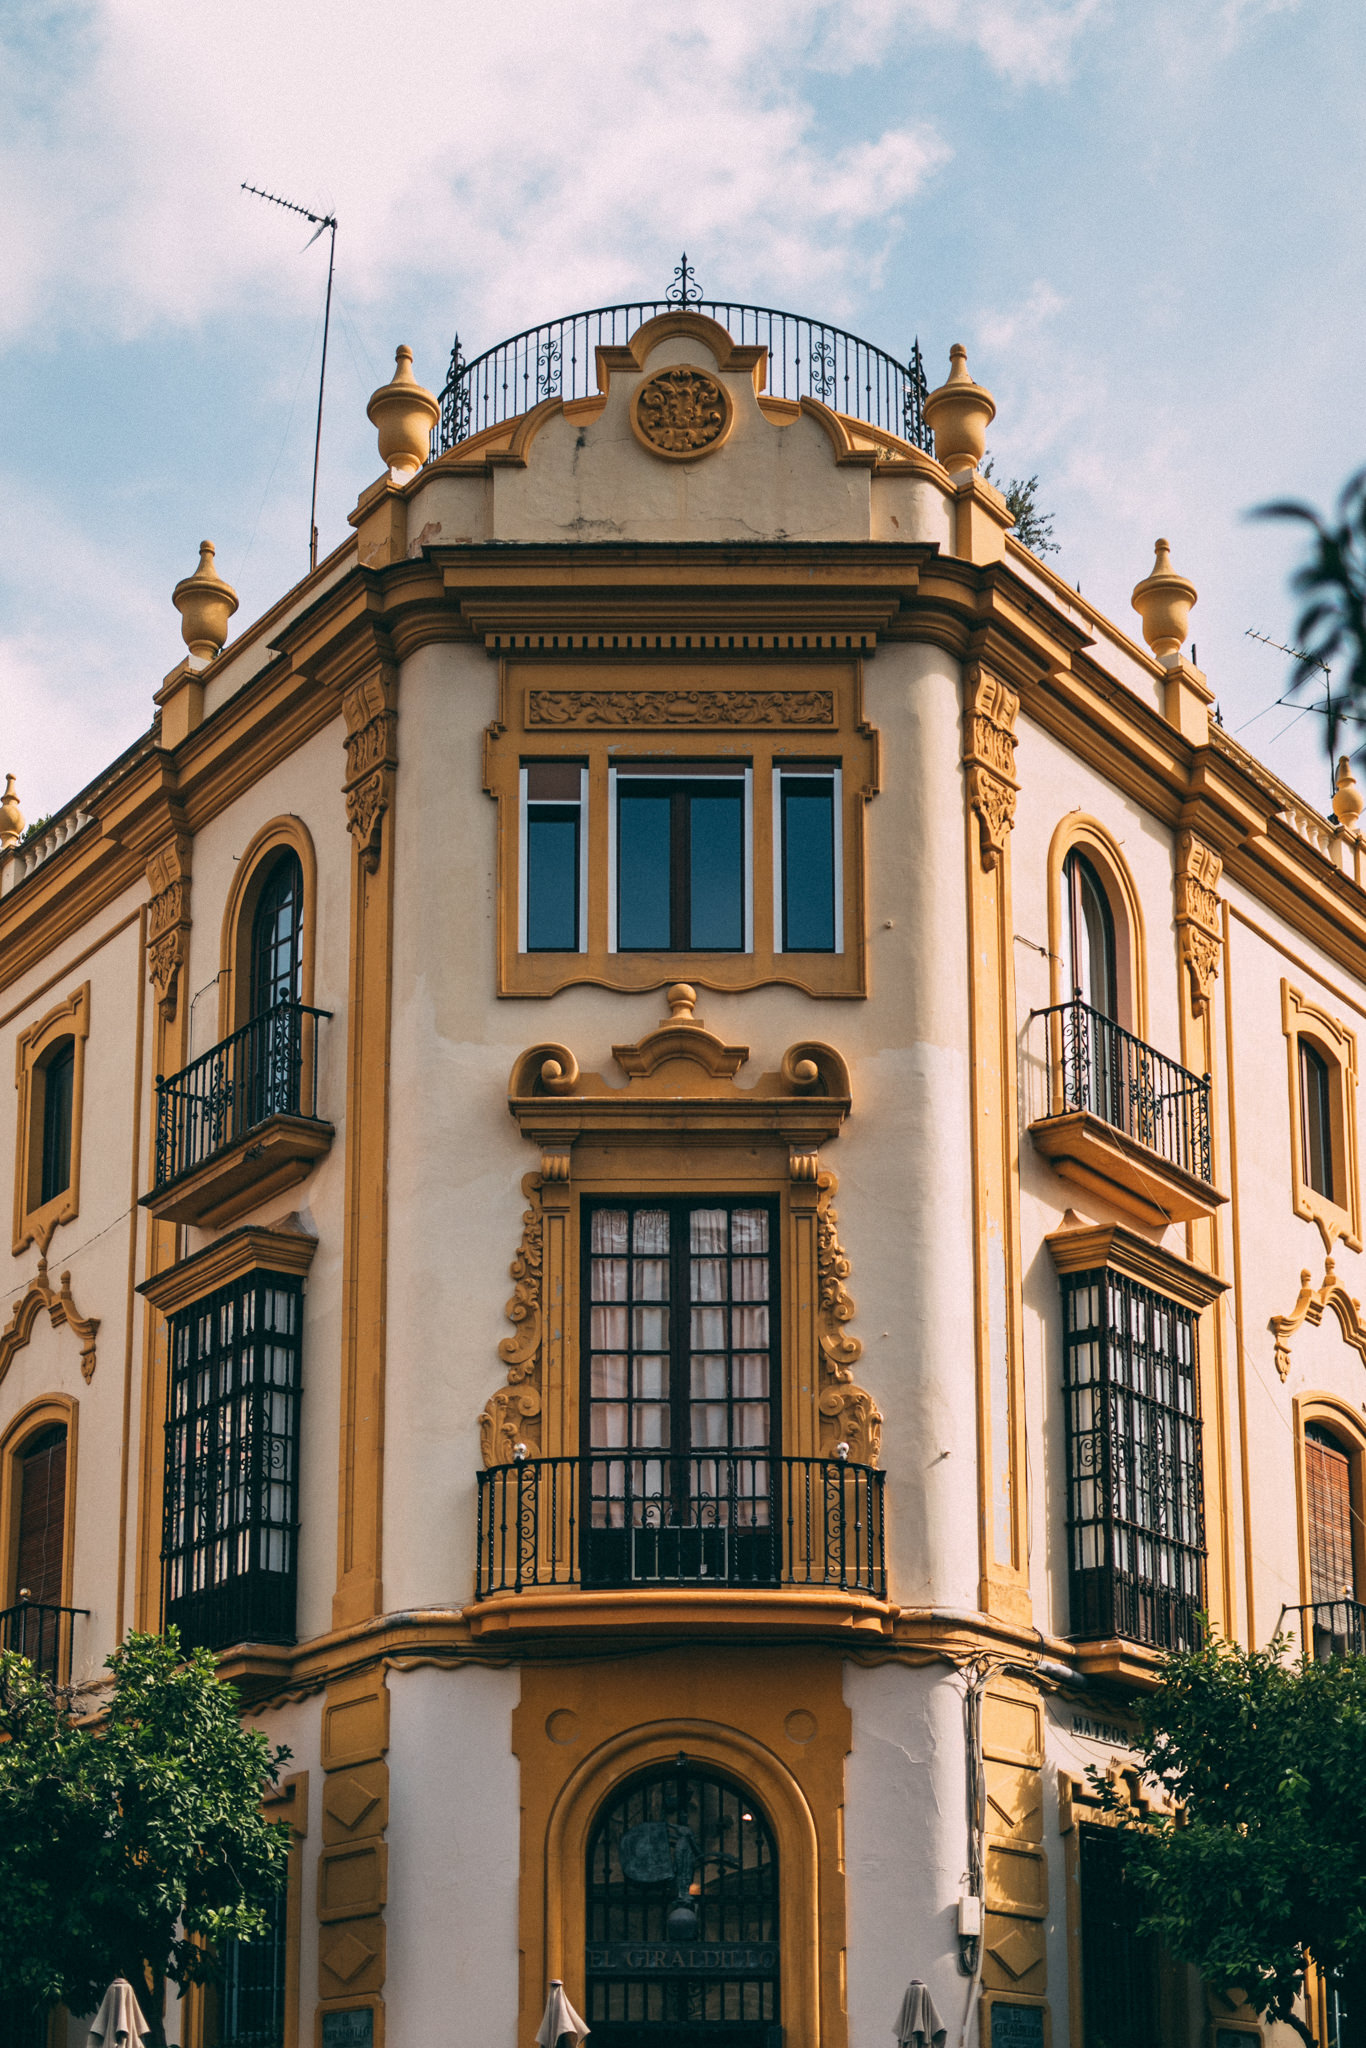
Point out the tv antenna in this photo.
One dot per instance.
(327, 221)
(1307, 660)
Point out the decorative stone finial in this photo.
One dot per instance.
(205, 603)
(11, 817)
(1163, 601)
(960, 412)
(404, 413)
(681, 997)
(1348, 801)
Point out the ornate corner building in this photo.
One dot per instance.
(680, 1138)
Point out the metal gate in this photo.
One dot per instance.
(682, 1948)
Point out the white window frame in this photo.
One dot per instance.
(717, 770)
(523, 847)
(807, 773)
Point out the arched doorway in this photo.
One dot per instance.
(682, 1920)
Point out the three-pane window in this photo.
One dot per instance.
(680, 850)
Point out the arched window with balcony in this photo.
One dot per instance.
(276, 960)
(1332, 1451)
(1092, 963)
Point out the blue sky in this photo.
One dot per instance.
(1145, 222)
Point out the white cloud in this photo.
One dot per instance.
(536, 153)
(1027, 42)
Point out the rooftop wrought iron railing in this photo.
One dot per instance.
(1331, 1628)
(1100, 1067)
(268, 1068)
(806, 358)
(41, 1633)
(648, 1519)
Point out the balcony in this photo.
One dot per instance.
(1125, 1121)
(43, 1635)
(240, 1123)
(1332, 1628)
(615, 1523)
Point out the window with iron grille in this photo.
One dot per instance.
(251, 1991)
(230, 1529)
(1119, 1966)
(1135, 1508)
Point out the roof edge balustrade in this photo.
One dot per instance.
(1124, 1121)
(241, 1122)
(806, 359)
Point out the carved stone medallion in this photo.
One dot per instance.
(681, 413)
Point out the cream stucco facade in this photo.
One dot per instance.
(791, 590)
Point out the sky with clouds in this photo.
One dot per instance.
(1145, 222)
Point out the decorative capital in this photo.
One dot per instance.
(368, 706)
(989, 711)
(1198, 915)
(168, 918)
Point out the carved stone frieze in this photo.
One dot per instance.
(1199, 930)
(989, 713)
(168, 919)
(680, 707)
(512, 1414)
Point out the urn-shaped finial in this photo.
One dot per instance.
(1348, 800)
(404, 413)
(11, 817)
(1163, 601)
(205, 603)
(960, 413)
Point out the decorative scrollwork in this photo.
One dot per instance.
(685, 290)
(848, 1413)
(41, 1294)
(1198, 868)
(682, 411)
(512, 1415)
(680, 707)
(989, 714)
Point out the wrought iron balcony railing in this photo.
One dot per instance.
(1332, 1628)
(42, 1634)
(1100, 1067)
(648, 1519)
(269, 1068)
(806, 358)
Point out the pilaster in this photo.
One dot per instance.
(353, 1867)
(989, 712)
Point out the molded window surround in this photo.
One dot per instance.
(250, 875)
(61, 1031)
(1331, 1073)
(51, 1410)
(791, 734)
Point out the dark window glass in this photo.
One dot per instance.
(230, 1528)
(554, 825)
(1135, 1496)
(59, 1074)
(680, 1339)
(1092, 935)
(251, 1994)
(680, 864)
(682, 1922)
(1316, 1121)
(277, 936)
(1119, 1969)
(807, 805)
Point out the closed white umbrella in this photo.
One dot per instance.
(561, 2022)
(119, 2022)
(918, 2023)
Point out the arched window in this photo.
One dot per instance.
(682, 1928)
(1316, 1121)
(1091, 932)
(277, 936)
(39, 1552)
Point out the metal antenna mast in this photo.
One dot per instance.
(1325, 710)
(329, 222)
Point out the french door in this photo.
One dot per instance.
(680, 1384)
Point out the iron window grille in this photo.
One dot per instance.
(1120, 2002)
(251, 1995)
(1135, 1506)
(230, 1528)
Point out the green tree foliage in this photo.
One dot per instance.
(1033, 528)
(1331, 627)
(1265, 1866)
(131, 1836)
